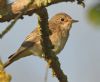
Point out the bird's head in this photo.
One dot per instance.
(63, 21)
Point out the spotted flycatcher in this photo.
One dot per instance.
(59, 25)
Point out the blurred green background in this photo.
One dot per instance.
(93, 14)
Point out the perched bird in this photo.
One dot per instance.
(59, 25)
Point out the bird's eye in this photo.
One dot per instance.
(62, 19)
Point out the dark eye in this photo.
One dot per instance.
(62, 19)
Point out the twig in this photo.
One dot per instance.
(9, 26)
(13, 9)
(15, 20)
(46, 73)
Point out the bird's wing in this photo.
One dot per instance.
(23, 51)
(29, 42)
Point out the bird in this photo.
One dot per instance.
(59, 25)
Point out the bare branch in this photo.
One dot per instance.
(47, 46)
(13, 9)
(15, 20)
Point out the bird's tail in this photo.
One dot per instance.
(16, 56)
(9, 61)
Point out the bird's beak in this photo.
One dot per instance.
(75, 21)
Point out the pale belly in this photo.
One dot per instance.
(61, 45)
(58, 47)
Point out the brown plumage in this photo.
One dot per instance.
(59, 25)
